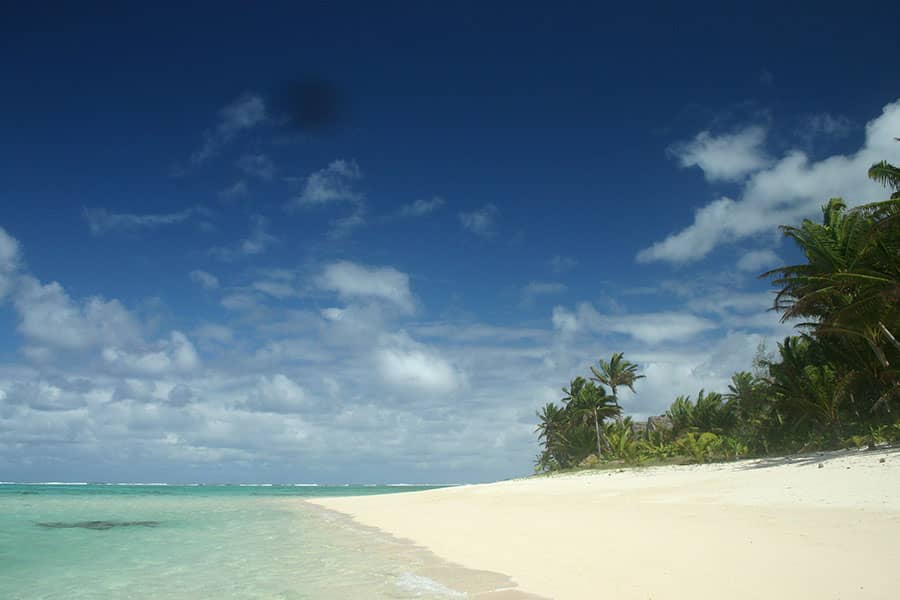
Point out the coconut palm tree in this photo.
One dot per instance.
(615, 373)
(551, 432)
(887, 175)
(850, 286)
(811, 389)
(588, 404)
(743, 392)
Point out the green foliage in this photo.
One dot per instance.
(699, 447)
(623, 443)
(711, 412)
(836, 383)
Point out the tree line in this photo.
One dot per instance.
(836, 383)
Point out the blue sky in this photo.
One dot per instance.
(299, 243)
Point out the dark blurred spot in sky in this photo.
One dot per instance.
(310, 105)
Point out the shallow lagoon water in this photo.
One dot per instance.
(127, 541)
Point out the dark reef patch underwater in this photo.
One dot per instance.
(98, 525)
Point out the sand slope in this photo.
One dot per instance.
(755, 529)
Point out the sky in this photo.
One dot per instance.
(354, 243)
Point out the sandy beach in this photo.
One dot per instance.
(823, 526)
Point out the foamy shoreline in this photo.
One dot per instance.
(773, 528)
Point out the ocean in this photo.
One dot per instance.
(125, 541)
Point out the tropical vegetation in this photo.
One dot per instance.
(836, 383)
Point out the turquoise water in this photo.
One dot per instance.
(127, 541)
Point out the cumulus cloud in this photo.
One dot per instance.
(207, 281)
(725, 157)
(246, 112)
(102, 221)
(354, 281)
(175, 354)
(404, 363)
(258, 241)
(277, 394)
(50, 318)
(420, 207)
(180, 395)
(650, 328)
(333, 184)
(481, 221)
(9, 261)
(786, 191)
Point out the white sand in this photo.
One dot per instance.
(753, 529)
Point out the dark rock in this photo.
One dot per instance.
(821, 466)
(98, 525)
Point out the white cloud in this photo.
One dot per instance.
(404, 363)
(333, 184)
(726, 157)
(49, 317)
(354, 281)
(241, 302)
(758, 260)
(175, 354)
(481, 221)
(257, 165)
(9, 261)
(725, 301)
(784, 193)
(243, 114)
(274, 288)
(205, 280)
(420, 207)
(277, 394)
(257, 242)
(650, 328)
(102, 221)
(564, 320)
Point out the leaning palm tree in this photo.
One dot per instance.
(615, 373)
(588, 404)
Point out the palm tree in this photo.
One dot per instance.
(887, 175)
(850, 286)
(811, 389)
(615, 373)
(743, 391)
(551, 431)
(588, 404)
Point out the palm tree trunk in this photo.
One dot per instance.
(616, 400)
(597, 429)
